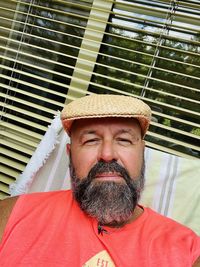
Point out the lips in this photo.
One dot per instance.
(108, 176)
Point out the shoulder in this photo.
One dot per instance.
(39, 202)
(6, 207)
(167, 225)
(159, 218)
(174, 235)
(43, 198)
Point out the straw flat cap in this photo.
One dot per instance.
(101, 106)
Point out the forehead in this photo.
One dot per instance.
(99, 123)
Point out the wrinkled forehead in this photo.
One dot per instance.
(99, 123)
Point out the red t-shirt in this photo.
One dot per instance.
(49, 229)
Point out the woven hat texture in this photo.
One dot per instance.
(99, 106)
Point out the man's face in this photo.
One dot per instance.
(106, 164)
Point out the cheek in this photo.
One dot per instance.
(133, 162)
(82, 162)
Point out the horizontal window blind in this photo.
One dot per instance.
(54, 51)
(151, 50)
(39, 46)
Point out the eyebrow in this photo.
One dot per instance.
(88, 132)
(129, 131)
(121, 131)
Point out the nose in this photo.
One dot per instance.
(107, 152)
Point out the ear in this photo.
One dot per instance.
(68, 149)
(143, 143)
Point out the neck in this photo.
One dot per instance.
(137, 213)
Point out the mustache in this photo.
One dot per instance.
(112, 166)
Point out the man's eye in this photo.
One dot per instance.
(124, 141)
(90, 141)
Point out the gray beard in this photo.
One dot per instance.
(111, 203)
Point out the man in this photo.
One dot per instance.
(99, 222)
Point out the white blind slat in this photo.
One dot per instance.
(11, 127)
(14, 155)
(18, 147)
(26, 112)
